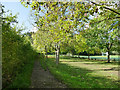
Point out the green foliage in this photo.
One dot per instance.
(41, 41)
(62, 19)
(58, 20)
(105, 33)
(68, 46)
(80, 43)
(23, 79)
(16, 51)
(43, 61)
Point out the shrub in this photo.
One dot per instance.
(16, 52)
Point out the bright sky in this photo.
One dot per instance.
(24, 13)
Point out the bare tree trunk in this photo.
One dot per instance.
(72, 54)
(78, 55)
(46, 52)
(108, 56)
(88, 56)
(57, 54)
(108, 49)
(46, 57)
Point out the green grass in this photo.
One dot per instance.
(75, 73)
(23, 78)
(116, 57)
(112, 57)
(43, 61)
(99, 69)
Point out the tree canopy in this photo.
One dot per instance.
(65, 19)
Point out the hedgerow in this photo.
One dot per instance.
(16, 51)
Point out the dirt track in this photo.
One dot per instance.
(43, 79)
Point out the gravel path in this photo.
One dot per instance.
(43, 79)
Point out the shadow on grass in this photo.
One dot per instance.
(112, 69)
(103, 62)
(78, 77)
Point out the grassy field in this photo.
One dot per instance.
(83, 73)
(112, 57)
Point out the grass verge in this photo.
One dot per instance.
(43, 61)
(23, 79)
(75, 77)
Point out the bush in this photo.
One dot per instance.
(16, 52)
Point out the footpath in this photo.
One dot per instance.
(44, 79)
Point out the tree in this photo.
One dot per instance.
(41, 41)
(63, 17)
(106, 33)
(68, 45)
(105, 25)
(80, 44)
(90, 42)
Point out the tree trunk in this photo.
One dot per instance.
(108, 49)
(46, 57)
(108, 56)
(88, 56)
(78, 55)
(72, 55)
(57, 54)
(46, 52)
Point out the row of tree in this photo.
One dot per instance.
(81, 26)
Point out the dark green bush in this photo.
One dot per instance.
(16, 52)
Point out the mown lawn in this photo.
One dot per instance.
(83, 73)
(112, 57)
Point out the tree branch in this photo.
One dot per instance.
(111, 45)
(106, 8)
(105, 19)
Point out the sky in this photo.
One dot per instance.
(23, 16)
(24, 13)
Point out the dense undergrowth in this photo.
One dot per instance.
(17, 53)
(23, 79)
